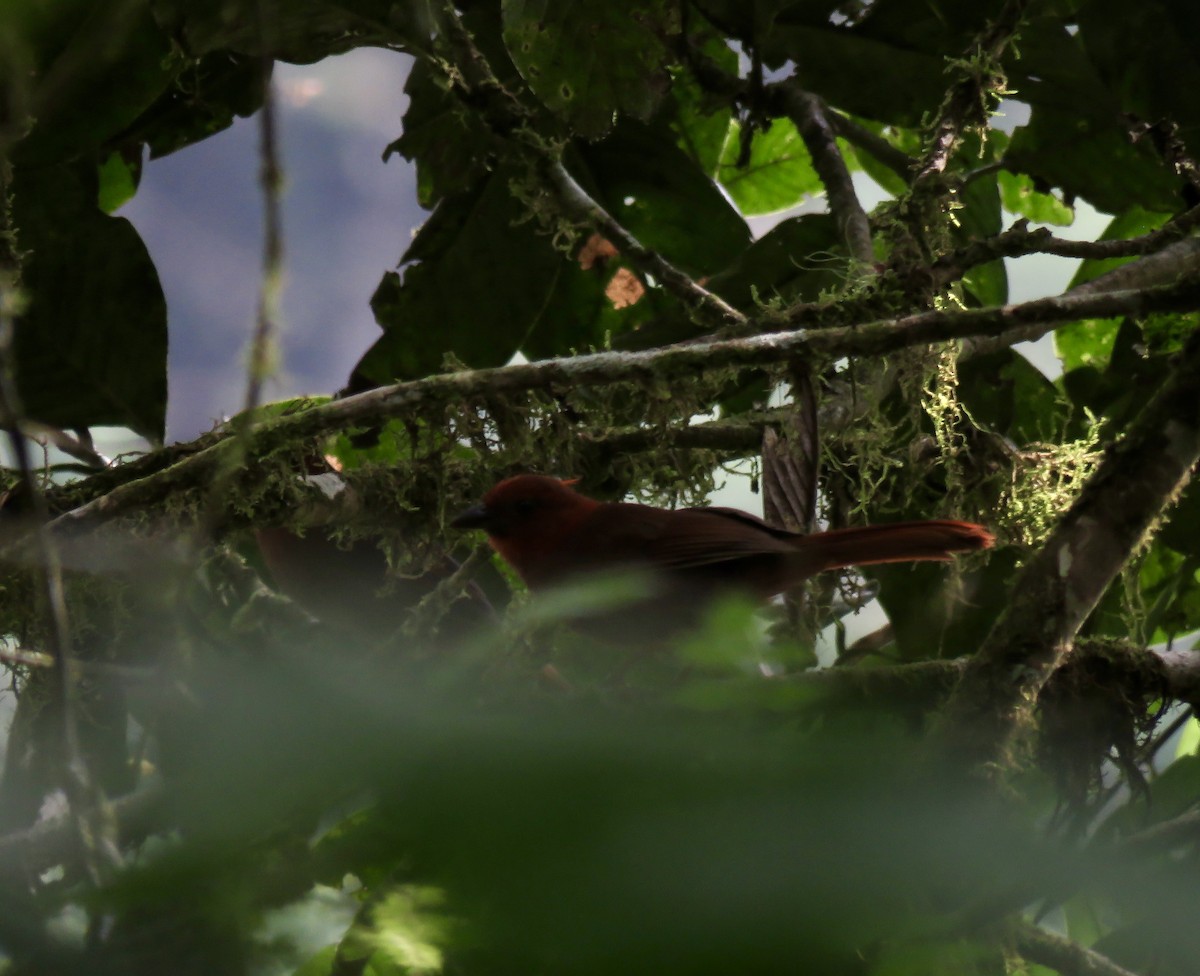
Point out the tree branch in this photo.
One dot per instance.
(1061, 954)
(606, 368)
(1019, 241)
(902, 164)
(1183, 829)
(993, 704)
(810, 117)
(967, 101)
(52, 842)
(477, 85)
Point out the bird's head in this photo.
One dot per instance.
(526, 504)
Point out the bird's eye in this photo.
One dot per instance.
(525, 506)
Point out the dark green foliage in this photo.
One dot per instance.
(518, 798)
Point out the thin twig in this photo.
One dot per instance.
(45, 434)
(1184, 829)
(87, 804)
(263, 342)
(1019, 240)
(899, 162)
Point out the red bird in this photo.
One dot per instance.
(548, 532)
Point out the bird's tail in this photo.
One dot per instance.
(895, 543)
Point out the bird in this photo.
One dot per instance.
(550, 533)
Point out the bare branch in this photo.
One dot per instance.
(810, 117)
(1170, 264)
(1061, 954)
(1184, 829)
(993, 704)
(902, 164)
(41, 847)
(1019, 240)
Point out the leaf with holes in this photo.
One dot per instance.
(592, 61)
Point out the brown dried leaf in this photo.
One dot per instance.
(596, 252)
(624, 289)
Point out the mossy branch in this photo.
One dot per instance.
(600, 369)
(969, 100)
(992, 708)
(1019, 241)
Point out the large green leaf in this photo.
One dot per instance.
(978, 217)
(752, 20)
(890, 83)
(1147, 54)
(92, 71)
(591, 61)
(205, 98)
(701, 121)
(474, 281)
(777, 175)
(1021, 196)
(1077, 138)
(795, 260)
(662, 197)
(1005, 393)
(91, 348)
(1093, 159)
(452, 146)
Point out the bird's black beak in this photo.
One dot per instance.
(475, 517)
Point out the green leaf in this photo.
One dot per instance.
(778, 174)
(1006, 394)
(205, 98)
(702, 122)
(1159, 82)
(452, 147)
(118, 181)
(592, 61)
(1094, 159)
(751, 20)
(988, 283)
(662, 197)
(906, 140)
(1088, 342)
(91, 348)
(890, 82)
(795, 260)
(321, 964)
(96, 69)
(1019, 196)
(475, 280)
(1189, 739)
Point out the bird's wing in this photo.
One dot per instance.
(638, 534)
